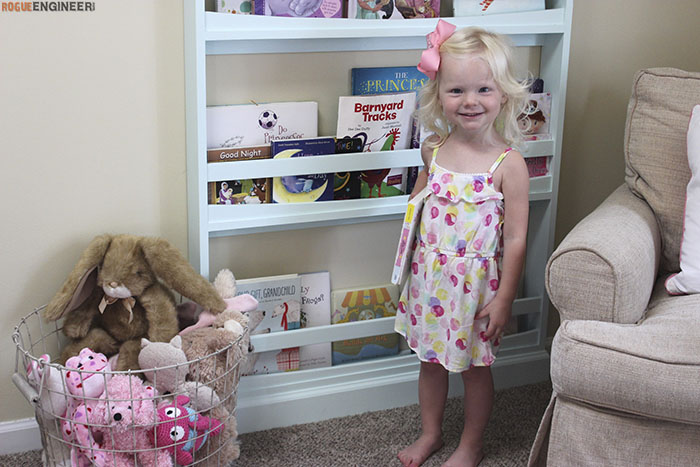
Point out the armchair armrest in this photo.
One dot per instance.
(606, 266)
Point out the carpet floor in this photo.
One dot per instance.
(373, 439)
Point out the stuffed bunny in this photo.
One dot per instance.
(114, 296)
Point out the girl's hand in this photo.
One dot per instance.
(499, 312)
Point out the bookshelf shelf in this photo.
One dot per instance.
(267, 401)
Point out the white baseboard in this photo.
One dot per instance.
(280, 400)
(19, 436)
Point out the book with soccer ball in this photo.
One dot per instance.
(233, 126)
(383, 122)
(409, 231)
(303, 188)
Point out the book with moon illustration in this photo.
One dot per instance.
(303, 188)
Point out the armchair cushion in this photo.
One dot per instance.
(655, 149)
(606, 266)
(650, 369)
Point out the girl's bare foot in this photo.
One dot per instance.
(465, 456)
(415, 454)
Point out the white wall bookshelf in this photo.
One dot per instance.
(267, 401)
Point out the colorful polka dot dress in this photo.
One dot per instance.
(454, 270)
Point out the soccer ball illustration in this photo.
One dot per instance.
(267, 120)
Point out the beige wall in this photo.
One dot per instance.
(92, 141)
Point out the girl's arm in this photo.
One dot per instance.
(426, 153)
(515, 187)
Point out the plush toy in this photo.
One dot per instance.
(181, 430)
(113, 297)
(172, 368)
(52, 399)
(124, 418)
(85, 378)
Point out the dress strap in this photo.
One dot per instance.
(499, 160)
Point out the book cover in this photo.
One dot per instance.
(303, 188)
(299, 9)
(409, 228)
(390, 79)
(537, 166)
(232, 126)
(279, 297)
(490, 7)
(239, 7)
(360, 304)
(315, 311)
(383, 122)
(535, 120)
(347, 185)
(393, 9)
(250, 191)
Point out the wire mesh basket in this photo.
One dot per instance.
(90, 415)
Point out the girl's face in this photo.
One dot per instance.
(470, 98)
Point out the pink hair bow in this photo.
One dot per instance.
(430, 58)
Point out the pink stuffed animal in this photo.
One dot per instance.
(125, 417)
(85, 378)
(181, 430)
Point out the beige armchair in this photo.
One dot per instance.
(625, 362)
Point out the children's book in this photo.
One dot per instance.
(250, 191)
(489, 7)
(361, 304)
(347, 184)
(409, 231)
(537, 166)
(393, 9)
(535, 120)
(299, 9)
(240, 7)
(303, 188)
(315, 311)
(382, 80)
(279, 297)
(383, 122)
(232, 126)
(388, 79)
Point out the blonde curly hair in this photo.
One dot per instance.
(497, 51)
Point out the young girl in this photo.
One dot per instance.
(471, 246)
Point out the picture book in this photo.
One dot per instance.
(535, 120)
(489, 7)
(347, 184)
(296, 9)
(383, 122)
(360, 304)
(240, 7)
(303, 188)
(382, 80)
(232, 126)
(537, 166)
(315, 311)
(409, 230)
(393, 9)
(250, 191)
(279, 298)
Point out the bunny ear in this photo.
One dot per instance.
(173, 269)
(81, 281)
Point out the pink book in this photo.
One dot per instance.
(410, 224)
